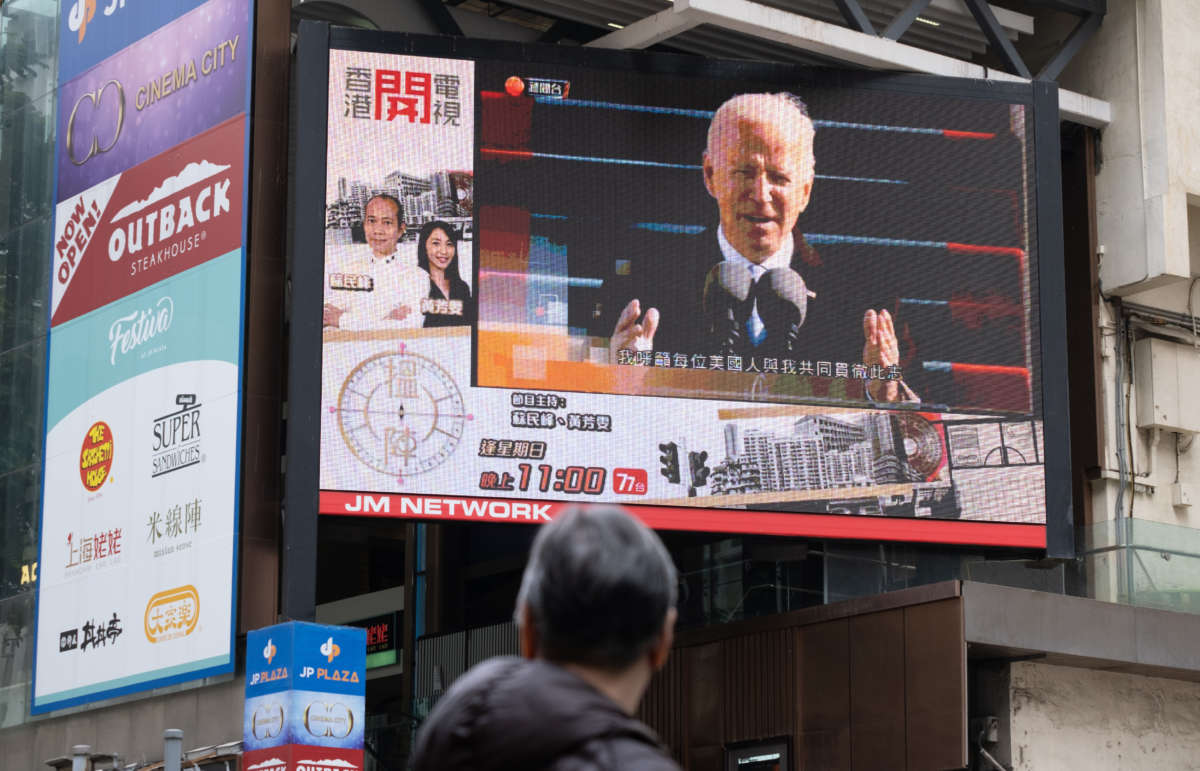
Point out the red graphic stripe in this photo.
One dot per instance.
(497, 152)
(988, 369)
(952, 134)
(1007, 251)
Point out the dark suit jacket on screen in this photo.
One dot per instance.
(832, 330)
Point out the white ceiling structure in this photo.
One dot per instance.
(938, 37)
(954, 38)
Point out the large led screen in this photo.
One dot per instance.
(734, 298)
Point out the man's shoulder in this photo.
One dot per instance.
(512, 713)
(483, 677)
(616, 752)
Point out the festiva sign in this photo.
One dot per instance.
(158, 219)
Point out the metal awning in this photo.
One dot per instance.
(937, 37)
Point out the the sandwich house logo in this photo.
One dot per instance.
(96, 456)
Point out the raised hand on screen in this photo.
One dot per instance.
(629, 334)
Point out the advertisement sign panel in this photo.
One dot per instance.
(382, 638)
(151, 222)
(142, 406)
(142, 410)
(92, 30)
(296, 757)
(803, 304)
(167, 87)
(305, 697)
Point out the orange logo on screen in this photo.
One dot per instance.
(96, 456)
(172, 614)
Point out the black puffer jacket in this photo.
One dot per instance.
(510, 713)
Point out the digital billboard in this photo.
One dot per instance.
(143, 387)
(733, 297)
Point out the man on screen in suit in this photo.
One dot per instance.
(759, 167)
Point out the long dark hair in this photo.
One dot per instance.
(452, 273)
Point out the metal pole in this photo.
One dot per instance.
(79, 757)
(172, 749)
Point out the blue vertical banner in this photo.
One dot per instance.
(142, 426)
(305, 697)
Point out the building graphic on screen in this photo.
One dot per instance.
(441, 194)
(820, 453)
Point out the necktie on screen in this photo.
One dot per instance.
(754, 325)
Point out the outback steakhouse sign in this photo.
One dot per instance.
(158, 219)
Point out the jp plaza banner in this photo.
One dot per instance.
(305, 698)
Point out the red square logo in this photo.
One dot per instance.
(629, 481)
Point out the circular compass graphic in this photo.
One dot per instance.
(401, 413)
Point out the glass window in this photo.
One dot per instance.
(16, 657)
(355, 558)
(18, 531)
(24, 284)
(28, 76)
(27, 80)
(22, 370)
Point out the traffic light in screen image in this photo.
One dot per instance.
(698, 462)
(670, 461)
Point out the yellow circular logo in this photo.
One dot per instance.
(96, 456)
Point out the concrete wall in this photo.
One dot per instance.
(208, 715)
(1143, 62)
(1067, 718)
(1108, 68)
(1181, 52)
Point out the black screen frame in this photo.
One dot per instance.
(317, 38)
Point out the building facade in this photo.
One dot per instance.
(893, 654)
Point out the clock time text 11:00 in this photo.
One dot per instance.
(571, 480)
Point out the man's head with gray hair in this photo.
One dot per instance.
(759, 167)
(599, 590)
